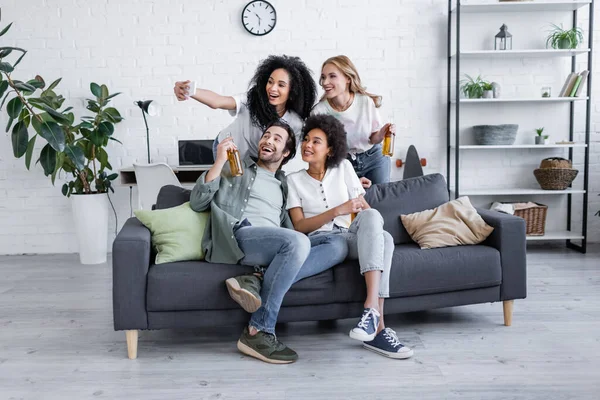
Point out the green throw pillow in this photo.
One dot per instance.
(176, 232)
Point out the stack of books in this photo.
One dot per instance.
(573, 86)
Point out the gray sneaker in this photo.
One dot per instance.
(266, 347)
(245, 290)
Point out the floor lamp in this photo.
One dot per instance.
(151, 111)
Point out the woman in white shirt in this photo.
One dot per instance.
(347, 100)
(282, 88)
(321, 200)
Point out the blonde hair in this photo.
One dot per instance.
(344, 64)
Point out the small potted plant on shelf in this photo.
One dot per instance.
(560, 38)
(541, 138)
(476, 88)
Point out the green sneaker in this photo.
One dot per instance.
(245, 290)
(266, 347)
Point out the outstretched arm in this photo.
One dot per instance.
(204, 96)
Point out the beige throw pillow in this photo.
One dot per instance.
(452, 224)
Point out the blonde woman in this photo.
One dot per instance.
(346, 99)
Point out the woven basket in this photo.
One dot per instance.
(535, 219)
(495, 134)
(555, 173)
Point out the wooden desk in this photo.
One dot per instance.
(186, 175)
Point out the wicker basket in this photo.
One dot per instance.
(535, 219)
(495, 134)
(555, 174)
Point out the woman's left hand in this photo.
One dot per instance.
(365, 182)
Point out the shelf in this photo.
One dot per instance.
(518, 146)
(523, 6)
(523, 100)
(558, 235)
(515, 191)
(520, 53)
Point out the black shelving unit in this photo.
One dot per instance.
(455, 9)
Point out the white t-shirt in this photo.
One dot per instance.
(339, 185)
(360, 120)
(246, 135)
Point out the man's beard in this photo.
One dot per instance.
(271, 159)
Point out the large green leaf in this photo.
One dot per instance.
(53, 134)
(75, 154)
(102, 156)
(54, 84)
(106, 128)
(10, 121)
(60, 158)
(104, 91)
(5, 29)
(19, 60)
(6, 67)
(29, 152)
(5, 52)
(25, 117)
(113, 115)
(96, 90)
(48, 159)
(97, 138)
(93, 106)
(3, 87)
(57, 116)
(20, 139)
(14, 107)
(113, 95)
(25, 87)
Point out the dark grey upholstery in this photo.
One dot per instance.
(192, 294)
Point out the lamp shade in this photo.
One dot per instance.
(147, 107)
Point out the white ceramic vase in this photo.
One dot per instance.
(90, 214)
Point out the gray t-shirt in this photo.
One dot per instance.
(266, 200)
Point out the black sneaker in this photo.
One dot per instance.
(266, 347)
(245, 290)
(386, 343)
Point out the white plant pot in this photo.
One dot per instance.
(488, 94)
(90, 213)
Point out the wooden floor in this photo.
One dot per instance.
(57, 342)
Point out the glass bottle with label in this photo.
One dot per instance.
(354, 193)
(387, 149)
(235, 162)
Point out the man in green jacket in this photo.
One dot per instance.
(249, 224)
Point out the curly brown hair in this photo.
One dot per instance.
(335, 134)
(290, 143)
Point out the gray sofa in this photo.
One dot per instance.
(193, 294)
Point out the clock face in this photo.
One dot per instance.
(259, 17)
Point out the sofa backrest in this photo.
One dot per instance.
(172, 196)
(391, 199)
(406, 197)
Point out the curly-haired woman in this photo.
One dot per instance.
(348, 100)
(320, 202)
(282, 88)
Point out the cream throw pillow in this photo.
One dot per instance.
(452, 224)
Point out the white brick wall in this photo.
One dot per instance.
(140, 47)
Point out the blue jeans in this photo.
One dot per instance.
(284, 252)
(372, 164)
(368, 243)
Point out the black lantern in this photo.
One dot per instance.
(503, 39)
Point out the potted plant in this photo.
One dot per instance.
(541, 138)
(488, 90)
(75, 149)
(476, 88)
(560, 38)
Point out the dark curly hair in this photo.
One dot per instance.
(335, 133)
(290, 143)
(303, 89)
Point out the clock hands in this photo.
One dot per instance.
(259, 19)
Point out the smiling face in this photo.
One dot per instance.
(271, 147)
(278, 87)
(333, 81)
(315, 147)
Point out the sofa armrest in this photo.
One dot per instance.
(130, 263)
(509, 239)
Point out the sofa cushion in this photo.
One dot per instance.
(172, 196)
(454, 223)
(418, 272)
(406, 197)
(176, 232)
(198, 285)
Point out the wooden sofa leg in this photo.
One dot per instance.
(508, 311)
(132, 342)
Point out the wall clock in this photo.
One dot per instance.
(259, 17)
